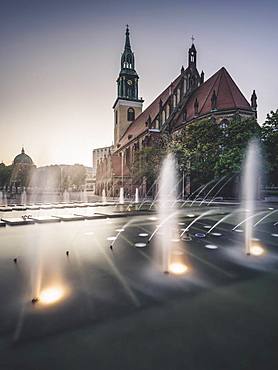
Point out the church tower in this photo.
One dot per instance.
(191, 74)
(127, 105)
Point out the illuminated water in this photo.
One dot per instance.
(250, 189)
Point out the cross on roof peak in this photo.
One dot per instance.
(192, 39)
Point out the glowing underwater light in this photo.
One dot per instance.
(211, 246)
(256, 250)
(178, 268)
(51, 295)
(216, 234)
(143, 234)
(140, 245)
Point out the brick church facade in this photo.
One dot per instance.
(187, 99)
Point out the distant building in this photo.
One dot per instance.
(22, 169)
(188, 99)
(90, 180)
(99, 154)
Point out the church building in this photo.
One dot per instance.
(186, 100)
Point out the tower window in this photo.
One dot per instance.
(167, 111)
(178, 96)
(130, 114)
(163, 116)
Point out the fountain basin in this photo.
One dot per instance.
(70, 218)
(6, 209)
(45, 219)
(17, 221)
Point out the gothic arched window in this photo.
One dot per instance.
(174, 101)
(163, 116)
(178, 96)
(130, 114)
(167, 111)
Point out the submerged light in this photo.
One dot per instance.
(178, 268)
(256, 250)
(51, 295)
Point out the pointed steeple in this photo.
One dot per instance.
(192, 76)
(254, 100)
(192, 56)
(127, 61)
(128, 78)
(254, 104)
(127, 40)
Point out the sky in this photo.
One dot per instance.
(59, 61)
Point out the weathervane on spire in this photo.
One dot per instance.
(192, 39)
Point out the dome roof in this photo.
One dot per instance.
(23, 158)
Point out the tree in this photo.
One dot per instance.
(196, 149)
(5, 175)
(147, 164)
(233, 142)
(207, 150)
(270, 144)
(77, 175)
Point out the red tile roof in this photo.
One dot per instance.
(138, 126)
(229, 97)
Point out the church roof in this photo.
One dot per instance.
(138, 126)
(229, 96)
(23, 158)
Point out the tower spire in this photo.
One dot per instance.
(127, 39)
(128, 60)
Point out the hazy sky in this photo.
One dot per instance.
(60, 61)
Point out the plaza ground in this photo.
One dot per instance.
(123, 312)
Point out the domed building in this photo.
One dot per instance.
(22, 168)
(23, 158)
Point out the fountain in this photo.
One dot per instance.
(121, 198)
(66, 197)
(250, 190)
(168, 225)
(23, 198)
(4, 199)
(104, 196)
(84, 196)
(136, 196)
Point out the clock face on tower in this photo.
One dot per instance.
(129, 82)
